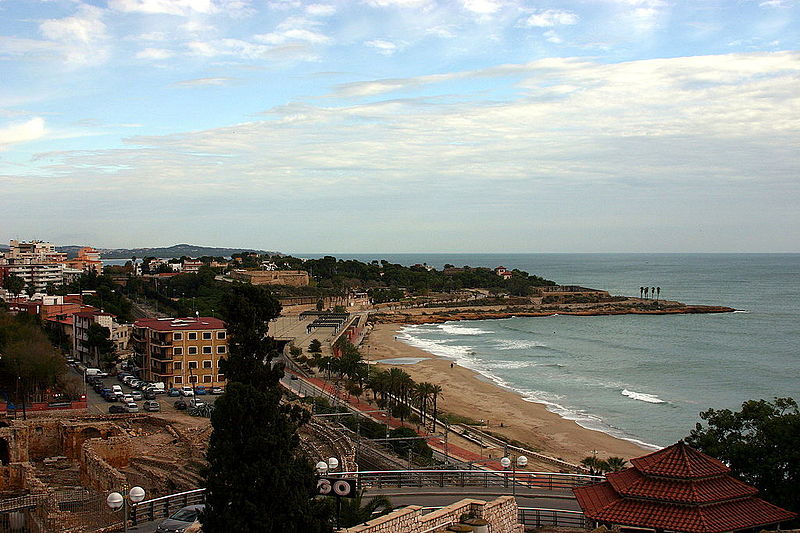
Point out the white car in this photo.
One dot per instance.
(117, 390)
(132, 407)
(127, 398)
(187, 391)
(194, 402)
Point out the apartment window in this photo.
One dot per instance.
(192, 336)
(207, 379)
(207, 363)
(220, 334)
(220, 377)
(206, 335)
(178, 380)
(192, 365)
(177, 365)
(207, 349)
(177, 336)
(192, 379)
(177, 350)
(221, 349)
(192, 350)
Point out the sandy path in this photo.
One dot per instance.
(466, 394)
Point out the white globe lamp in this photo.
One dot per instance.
(505, 462)
(136, 494)
(522, 461)
(322, 467)
(115, 500)
(333, 463)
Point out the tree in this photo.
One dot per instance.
(759, 443)
(14, 284)
(315, 346)
(99, 343)
(614, 464)
(257, 478)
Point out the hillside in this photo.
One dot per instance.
(177, 250)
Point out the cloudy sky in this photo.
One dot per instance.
(402, 125)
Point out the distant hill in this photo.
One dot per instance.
(178, 250)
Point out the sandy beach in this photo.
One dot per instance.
(466, 394)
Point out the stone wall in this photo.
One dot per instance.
(100, 460)
(501, 514)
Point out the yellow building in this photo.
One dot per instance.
(181, 351)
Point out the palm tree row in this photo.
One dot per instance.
(645, 292)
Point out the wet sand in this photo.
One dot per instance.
(467, 394)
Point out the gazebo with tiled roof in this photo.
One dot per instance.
(678, 489)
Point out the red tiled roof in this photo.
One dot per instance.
(630, 482)
(89, 314)
(177, 324)
(679, 461)
(601, 502)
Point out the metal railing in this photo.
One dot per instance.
(543, 517)
(165, 505)
(538, 517)
(469, 478)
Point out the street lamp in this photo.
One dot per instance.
(116, 500)
(521, 462)
(322, 468)
(333, 463)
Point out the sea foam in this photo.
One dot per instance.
(454, 329)
(641, 396)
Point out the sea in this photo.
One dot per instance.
(645, 378)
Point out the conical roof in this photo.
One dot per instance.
(678, 489)
(680, 461)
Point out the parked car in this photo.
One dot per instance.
(151, 406)
(194, 402)
(111, 397)
(149, 394)
(116, 389)
(127, 398)
(137, 396)
(116, 409)
(187, 391)
(122, 375)
(173, 392)
(217, 390)
(180, 405)
(180, 520)
(131, 407)
(200, 390)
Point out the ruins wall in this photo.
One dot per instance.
(100, 460)
(502, 515)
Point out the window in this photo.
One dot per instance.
(206, 349)
(177, 365)
(221, 349)
(207, 378)
(177, 350)
(220, 334)
(177, 336)
(192, 365)
(207, 364)
(178, 380)
(192, 350)
(206, 335)
(192, 336)
(220, 377)
(192, 379)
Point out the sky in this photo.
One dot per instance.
(402, 125)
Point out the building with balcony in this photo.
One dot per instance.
(181, 351)
(119, 334)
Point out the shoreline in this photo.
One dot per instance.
(469, 393)
(433, 316)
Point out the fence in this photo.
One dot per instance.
(165, 505)
(470, 478)
(57, 510)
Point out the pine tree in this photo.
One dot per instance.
(257, 478)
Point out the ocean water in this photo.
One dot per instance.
(644, 378)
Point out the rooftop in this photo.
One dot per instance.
(188, 323)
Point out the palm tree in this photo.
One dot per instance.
(641, 292)
(435, 392)
(614, 464)
(354, 511)
(645, 291)
(658, 292)
(653, 292)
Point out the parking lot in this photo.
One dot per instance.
(166, 402)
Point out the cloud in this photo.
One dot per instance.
(551, 17)
(281, 37)
(22, 132)
(482, 7)
(246, 50)
(384, 47)
(81, 36)
(320, 10)
(155, 54)
(397, 3)
(198, 82)
(166, 7)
